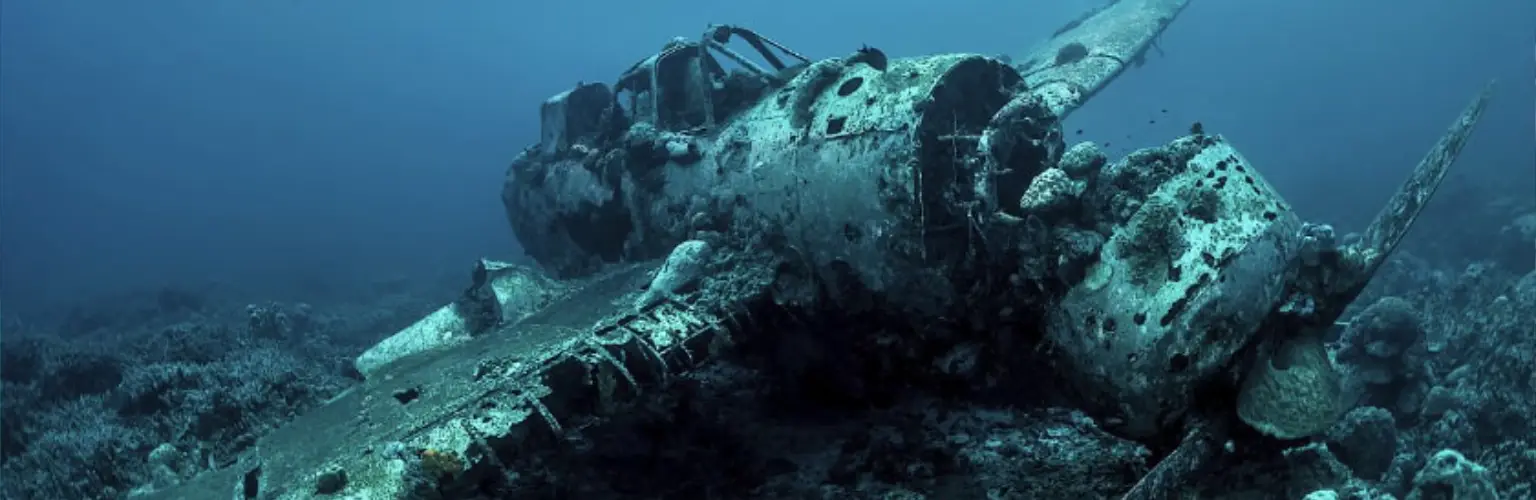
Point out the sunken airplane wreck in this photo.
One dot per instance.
(1172, 293)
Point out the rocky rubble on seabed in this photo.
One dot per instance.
(141, 390)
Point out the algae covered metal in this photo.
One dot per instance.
(1169, 294)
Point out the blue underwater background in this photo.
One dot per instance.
(209, 209)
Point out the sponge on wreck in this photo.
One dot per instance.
(1295, 393)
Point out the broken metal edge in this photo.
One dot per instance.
(525, 387)
(1201, 444)
(1083, 57)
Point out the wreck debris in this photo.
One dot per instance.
(1295, 330)
(1086, 54)
(500, 294)
(676, 88)
(569, 362)
(881, 155)
(683, 266)
(935, 193)
(1173, 297)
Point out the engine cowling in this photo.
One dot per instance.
(1199, 253)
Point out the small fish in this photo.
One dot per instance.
(871, 56)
